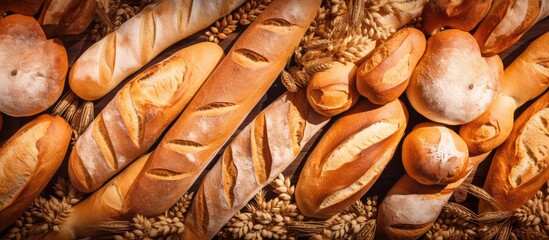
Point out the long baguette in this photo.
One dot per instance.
(350, 157)
(136, 42)
(28, 161)
(253, 159)
(138, 114)
(222, 104)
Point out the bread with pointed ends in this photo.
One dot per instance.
(464, 15)
(506, 22)
(222, 104)
(25, 7)
(434, 154)
(458, 94)
(523, 80)
(254, 158)
(136, 42)
(28, 160)
(333, 91)
(385, 75)
(520, 166)
(350, 157)
(67, 16)
(107, 204)
(33, 67)
(139, 113)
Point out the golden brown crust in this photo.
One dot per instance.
(139, 113)
(333, 91)
(223, 102)
(360, 144)
(520, 166)
(28, 161)
(33, 67)
(66, 16)
(385, 75)
(434, 154)
(463, 14)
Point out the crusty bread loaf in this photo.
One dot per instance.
(506, 22)
(350, 157)
(404, 11)
(254, 158)
(136, 42)
(66, 16)
(520, 166)
(222, 104)
(434, 154)
(523, 80)
(460, 93)
(461, 14)
(25, 7)
(385, 75)
(333, 91)
(107, 204)
(28, 160)
(33, 68)
(410, 208)
(139, 113)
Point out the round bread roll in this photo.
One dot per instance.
(453, 84)
(385, 75)
(434, 154)
(33, 70)
(333, 91)
(459, 14)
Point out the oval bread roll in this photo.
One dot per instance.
(333, 91)
(385, 75)
(33, 68)
(28, 160)
(453, 84)
(349, 158)
(434, 154)
(461, 14)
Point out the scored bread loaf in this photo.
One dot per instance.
(458, 94)
(67, 16)
(461, 14)
(28, 160)
(107, 204)
(33, 67)
(139, 113)
(254, 158)
(524, 79)
(136, 42)
(434, 154)
(506, 22)
(350, 157)
(385, 75)
(222, 104)
(520, 166)
(333, 91)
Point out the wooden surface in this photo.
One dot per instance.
(77, 44)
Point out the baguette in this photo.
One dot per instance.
(464, 15)
(257, 155)
(333, 91)
(28, 160)
(385, 75)
(506, 22)
(349, 158)
(524, 79)
(519, 167)
(138, 114)
(434, 154)
(222, 104)
(136, 42)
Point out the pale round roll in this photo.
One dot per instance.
(33, 68)
(453, 84)
(434, 154)
(333, 91)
